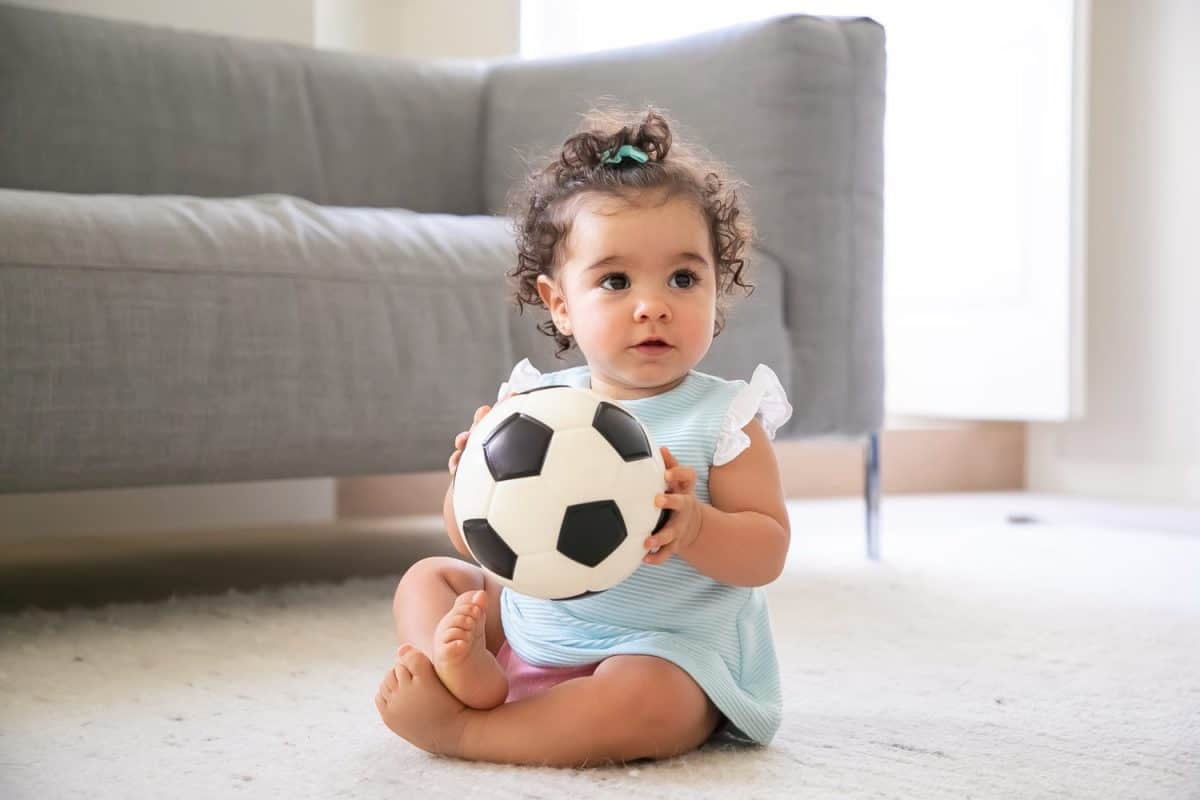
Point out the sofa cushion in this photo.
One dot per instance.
(171, 339)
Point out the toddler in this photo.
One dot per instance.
(632, 242)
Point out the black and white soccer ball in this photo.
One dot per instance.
(554, 492)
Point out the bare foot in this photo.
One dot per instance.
(413, 702)
(461, 657)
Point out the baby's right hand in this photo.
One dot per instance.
(460, 441)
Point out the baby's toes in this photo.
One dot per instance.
(387, 688)
(381, 702)
(401, 671)
(418, 665)
(454, 648)
(460, 623)
(458, 627)
(470, 604)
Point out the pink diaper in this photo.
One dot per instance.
(525, 679)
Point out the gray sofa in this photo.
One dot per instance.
(225, 259)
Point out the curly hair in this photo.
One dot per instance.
(544, 206)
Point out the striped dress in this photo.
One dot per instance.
(719, 634)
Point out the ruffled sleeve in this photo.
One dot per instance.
(763, 396)
(524, 376)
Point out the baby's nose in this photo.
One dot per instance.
(653, 308)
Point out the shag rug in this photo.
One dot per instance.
(1006, 646)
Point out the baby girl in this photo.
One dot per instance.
(632, 241)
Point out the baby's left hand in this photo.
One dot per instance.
(683, 525)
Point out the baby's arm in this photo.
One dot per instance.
(744, 533)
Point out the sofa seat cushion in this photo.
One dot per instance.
(171, 339)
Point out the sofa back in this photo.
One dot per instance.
(92, 106)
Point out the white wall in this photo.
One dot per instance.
(1140, 437)
(420, 28)
(283, 20)
(404, 28)
(407, 28)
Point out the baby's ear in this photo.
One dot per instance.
(555, 302)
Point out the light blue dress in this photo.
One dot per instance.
(720, 634)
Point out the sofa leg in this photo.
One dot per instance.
(871, 494)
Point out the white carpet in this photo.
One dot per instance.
(980, 659)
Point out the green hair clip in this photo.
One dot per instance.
(622, 152)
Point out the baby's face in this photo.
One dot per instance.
(632, 273)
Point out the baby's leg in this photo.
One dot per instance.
(450, 610)
(632, 707)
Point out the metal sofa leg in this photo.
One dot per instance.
(871, 494)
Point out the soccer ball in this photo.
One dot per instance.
(554, 492)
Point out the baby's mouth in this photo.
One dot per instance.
(652, 346)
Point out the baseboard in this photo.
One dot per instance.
(953, 457)
(165, 509)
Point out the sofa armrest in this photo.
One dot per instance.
(101, 106)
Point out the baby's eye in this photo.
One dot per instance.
(689, 278)
(622, 282)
